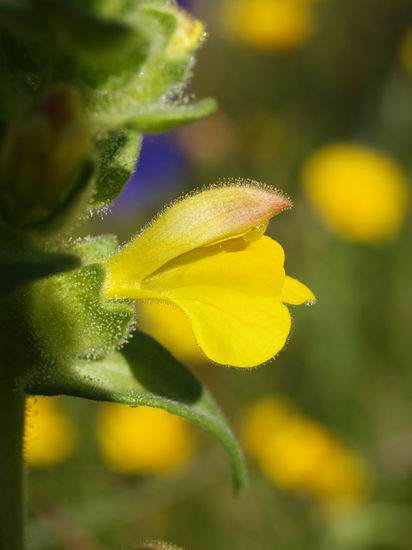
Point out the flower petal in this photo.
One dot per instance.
(240, 332)
(209, 217)
(231, 295)
(296, 293)
(156, 318)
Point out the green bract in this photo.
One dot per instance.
(81, 82)
(144, 374)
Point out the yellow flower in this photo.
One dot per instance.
(360, 193)
(143, 440)
(268, 24)
(299, 455)
(156, 318)
(49, 434)
(207, 256)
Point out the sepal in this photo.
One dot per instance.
(71, 320)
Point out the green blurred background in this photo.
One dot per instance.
(344, 78)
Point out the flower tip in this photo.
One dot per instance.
(188, 35)
(276, 203)
(280, 203)
(260, 200)
(310, 298)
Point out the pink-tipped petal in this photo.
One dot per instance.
(209, 217)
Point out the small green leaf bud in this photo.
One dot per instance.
(40, 158)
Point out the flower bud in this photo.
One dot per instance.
(187, 36)
(40, 159)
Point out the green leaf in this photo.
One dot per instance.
(71, 320)
(159, 118)
(118, 154)
(144, 374)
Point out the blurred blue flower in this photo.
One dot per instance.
(159, 175)
(186, 4)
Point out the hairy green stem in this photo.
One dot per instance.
(11, 456)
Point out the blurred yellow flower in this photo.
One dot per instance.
(360, 193)
(268, 24)
(206, 255)
(157, 318)
(406, 50)
(49, 433)
(143, 440)
(299, 455)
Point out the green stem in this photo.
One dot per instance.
(11, 457)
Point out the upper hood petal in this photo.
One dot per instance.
(203, 219)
